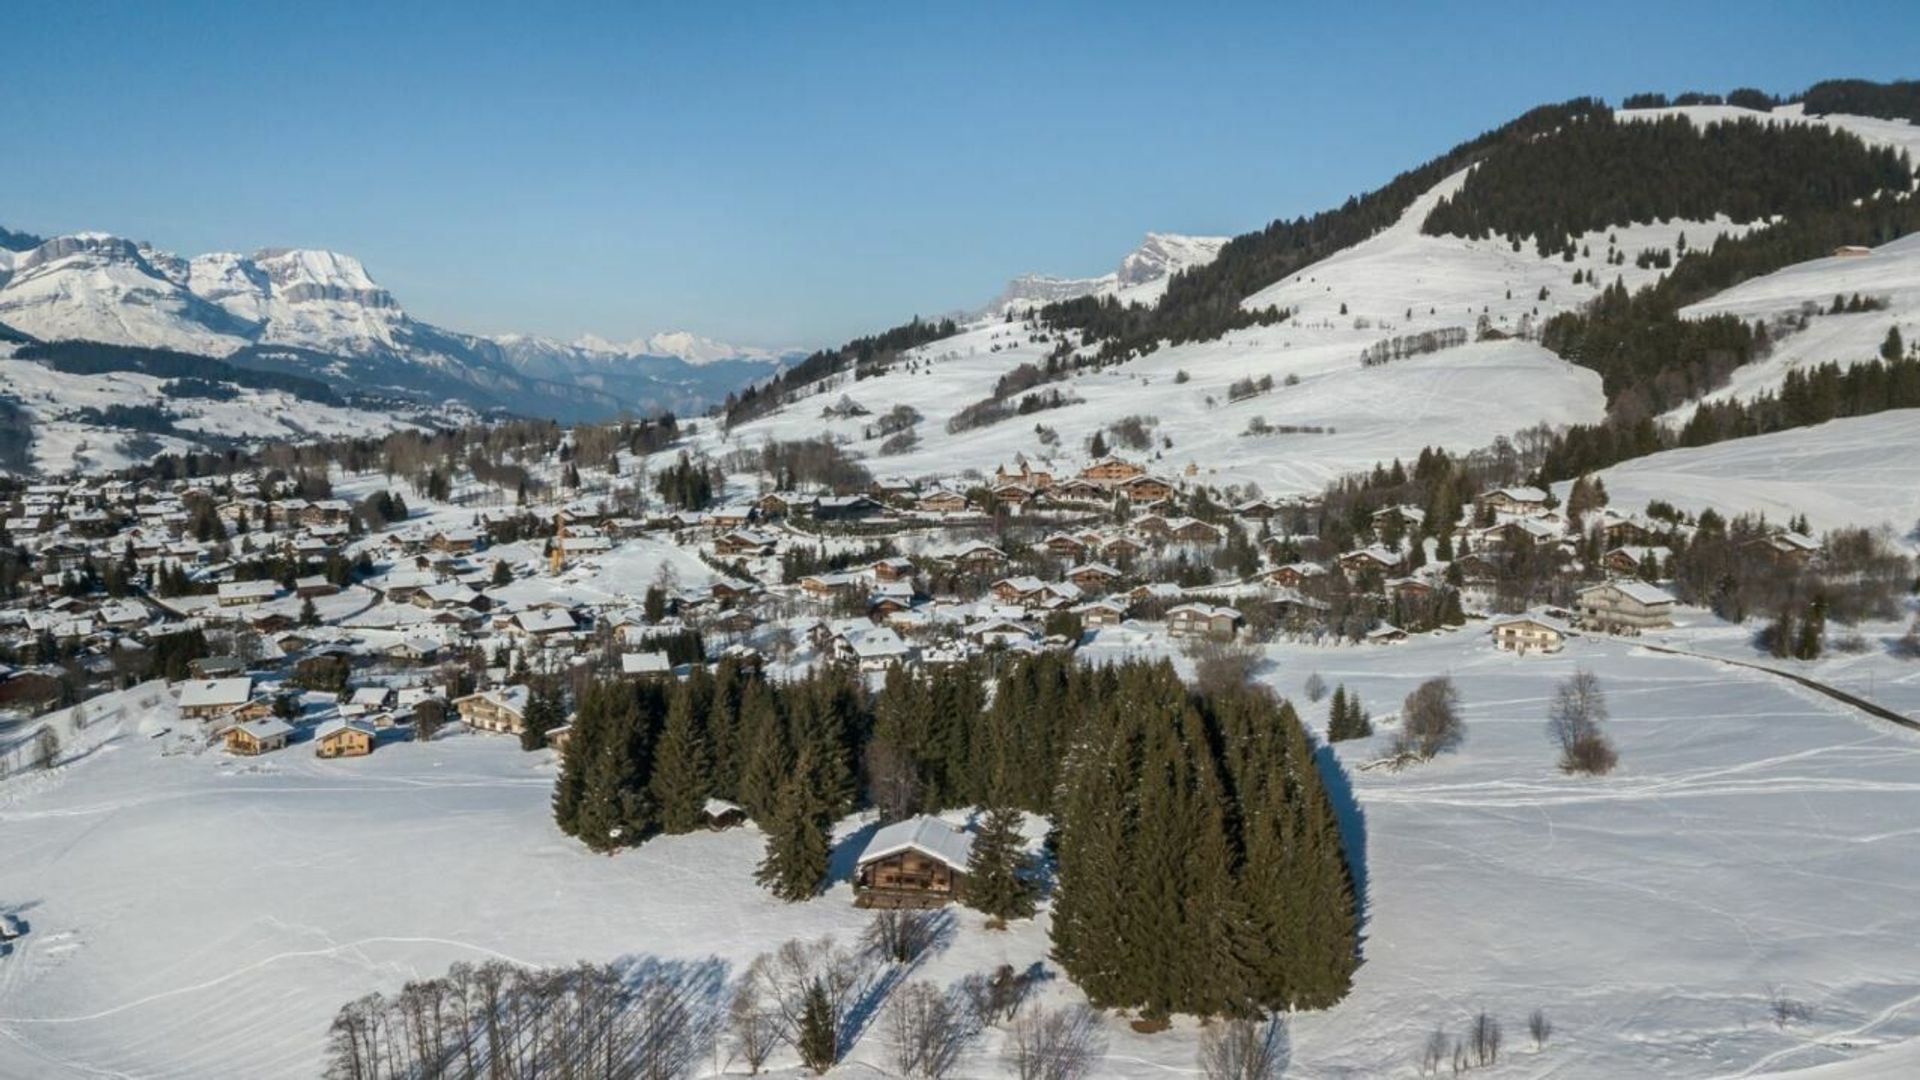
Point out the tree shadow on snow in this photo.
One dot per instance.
(1353, 830)
(846, 854)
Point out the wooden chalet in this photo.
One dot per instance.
(917, 863)
(255, 737)
(344, 738)
(1110, 470)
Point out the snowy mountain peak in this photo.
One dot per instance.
(1143, 273)
(679, 344)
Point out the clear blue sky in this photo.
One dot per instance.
(799, 173)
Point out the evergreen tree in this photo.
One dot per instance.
(994, 884)
(308, 615)
(681, 782)
(798, 846)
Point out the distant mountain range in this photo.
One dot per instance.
(320, 314)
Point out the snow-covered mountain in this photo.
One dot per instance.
(320, 313)
(1141, 276)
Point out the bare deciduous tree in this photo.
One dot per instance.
(801, 979)
(928, 1030)
(1540, 1028)
(1243, 1049)
(1486, 1040)
(1433, 1053)
(893, 780)
(997, 997)
(1053, 1044)
(1785, 1010)
(1574, 724)
(1316, 687)
(753, 1029)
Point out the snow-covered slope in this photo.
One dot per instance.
(1889, 273)
(1141, 277)
(321, 313)
(1863, 470)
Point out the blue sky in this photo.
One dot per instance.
(798, 174)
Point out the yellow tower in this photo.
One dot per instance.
(557, 560)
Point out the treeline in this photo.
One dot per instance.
(1598, 171)
(1201, 867)
(94, 358)
(1897, 100)
(1745, 97)
(866, 355)
(1406, 345)
(1806, 396)
(1203, 303)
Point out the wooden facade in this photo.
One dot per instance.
(907, 879)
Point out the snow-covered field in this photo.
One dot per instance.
(197, 915)
(1857, 471)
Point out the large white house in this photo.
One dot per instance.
(1625, 607)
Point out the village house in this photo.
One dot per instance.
(847, 508)
(1625, 607)
(1371, 560)
(1785, 548)
(744, 542)
(503, 710)
(1110, 470)
(455, 541)
(1026, 476)
(1525, 634)
(941, 501)
(1093, 575)
(645, 665)
(1297, 575)
(895, 568)
(827, 586)
(1635, 561)
(719, 814)
(253, 737)
(210, 698)
(1203, 620)
(1144, 489)
(917, 863)
(241, 593)
(1514, 500)
(343, 737)
(979, 556)
(1101, 613)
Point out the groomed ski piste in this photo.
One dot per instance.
(193, 914)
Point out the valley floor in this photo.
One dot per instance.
(192, 914)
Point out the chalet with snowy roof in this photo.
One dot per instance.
(1374, 559)
(1015, 495)
(1026, 476)
(894, 568)
(748, 542)
(1144, 489)
(871, 648)
(917, 863)
(254, 737)
(455, 541)
(719, 814)
(1203, 620)
(1093, 576)
(1016, 590)
(542, 624)
(1787, 548)
(503, 710)
(1525, 634)
(1625, 607)
(1101, 613)
(847, 508)
(344, 737)
(1297, 575)
(1110, 470)
(1386, 634)
(1121, 548)
(645, 665)
(827, 586)
(1636, 561)
(207, 698)
(737, 516)
(242, 593)
(1514, 500)
(941, 501)
(979, 556)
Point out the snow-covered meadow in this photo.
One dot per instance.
(192, 914)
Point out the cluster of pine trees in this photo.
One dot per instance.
(1597, 171)
(1200, 864)
(1346, 717)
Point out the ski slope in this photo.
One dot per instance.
(1857, 471)
(196, 915)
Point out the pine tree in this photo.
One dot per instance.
(994, 884)
(681, 780)
(612, 809)
(308, 615)
(798, 847)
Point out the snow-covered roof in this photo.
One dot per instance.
(927, 835)
(267, 727)
(1638, 591)
(342, 724)
(215, 692)
(644, 663)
